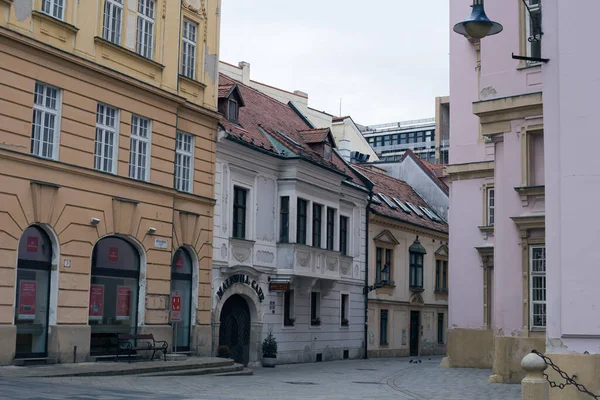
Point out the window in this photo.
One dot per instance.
(533, 26)
(317, 216)
(55, 8)
(420, 137)
(403, 138)
(402, 205)
(490, 206)
(107, 144)
(538, 286)
(139, 153)
(383, 265)
(411, 137)
(145, 28)
(344, 312)
(383, 327)
(416, 252)
(301, 221)
(330, 227)
(188, 54)
(315, 308)
(284, 220)
(441, 275)
(111, 26)
(387, 201)
(344, 235)
(440, 328)
(232, 110)
(184, 158)
(45, 128)
(239, 212)
(288, 308)
(415, 209)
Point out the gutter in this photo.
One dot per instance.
(366, 291)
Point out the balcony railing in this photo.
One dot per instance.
(313, 262)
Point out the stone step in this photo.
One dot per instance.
(25, 362)
(198, 371)
(243, 372)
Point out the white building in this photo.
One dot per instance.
(289, 235)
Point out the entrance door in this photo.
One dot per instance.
(181, 283)
(415, 329)
(33, 293)
(235, 328)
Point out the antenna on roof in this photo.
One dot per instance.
(340, 107)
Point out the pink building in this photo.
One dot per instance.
(497, 195)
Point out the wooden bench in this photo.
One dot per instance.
(143, 342)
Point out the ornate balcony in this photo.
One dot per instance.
(311, 262)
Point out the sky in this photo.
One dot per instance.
(386, 59)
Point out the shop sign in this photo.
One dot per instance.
(27, 297)
(175, 306)
(179, 263)
(244, 280)
(161, 243)
(279, 286)
(32, 244)
(113, 254)
(123, 302)
(96, 302)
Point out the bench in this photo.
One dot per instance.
(143, 342)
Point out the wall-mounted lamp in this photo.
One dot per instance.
(95, 221)
(478, 25)
(151, 231)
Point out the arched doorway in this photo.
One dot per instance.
(181, 286)
(33, 293)
(234, 330)
(114, 290)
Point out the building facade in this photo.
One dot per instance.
(408, 271)
(497, 193)
(289, 235)
(107, 152)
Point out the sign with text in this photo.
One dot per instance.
(113, 254)
(175, 306)
(27, 297)
(179, 263)
(96, 302)
(279, 286)
(123, 302)
(32, 244)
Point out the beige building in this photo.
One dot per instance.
(107, 154)
(408, 273)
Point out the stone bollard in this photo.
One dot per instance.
(534, 386)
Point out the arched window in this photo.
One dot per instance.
(114, 288)
(181, 286)
(33, 290)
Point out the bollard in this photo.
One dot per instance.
(534, 386)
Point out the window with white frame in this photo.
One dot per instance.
(537, 280)
(188, 54)
(489, 199)
(105, 154)
(184, 156)
(533, 28)
(54, 8)
(139, 153)
(145, 28)
(45, 126)
(112, 21)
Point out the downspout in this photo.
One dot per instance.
(366, 287)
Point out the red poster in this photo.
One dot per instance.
(96, 302)
(32, 244)
(175, 306)
(113, 254)
(179, 263)
(27, 297)
(123, 302)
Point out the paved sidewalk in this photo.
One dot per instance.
(350, 379)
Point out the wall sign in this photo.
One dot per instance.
(243, 279)
(32, 244)
(123, 302)
(279, 286)
(113, 254)
(161, 243)
(175, 306)
(27, 297)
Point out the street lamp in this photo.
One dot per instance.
(478, 25)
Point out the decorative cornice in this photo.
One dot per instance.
(476, 170)
(128, 52)
(525, 223)
(386, 237)
(495, 115)
(49, 18)
(531, 190)
(406, 226)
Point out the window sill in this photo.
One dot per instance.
(441, 291)
(416, 289)
(56, 21)
(486, 228)
(241, 240)
(192, 81)
(523, 65)
(128, 52)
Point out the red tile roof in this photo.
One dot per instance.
(225, 89)
(392, 187)
(433, 170)
(262, 116)
(315, 135)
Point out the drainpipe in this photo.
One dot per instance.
(365, 289)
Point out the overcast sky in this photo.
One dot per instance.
(386, 59)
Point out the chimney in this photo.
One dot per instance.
(245, 72)
(344, 149)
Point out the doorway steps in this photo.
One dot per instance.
(27, 362)
(223, 370)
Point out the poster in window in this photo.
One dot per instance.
(27, 297)
(96, 302)
(113, 254)
(179, 263)
(123, 302)
(32, 244)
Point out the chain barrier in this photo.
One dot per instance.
(568, 380)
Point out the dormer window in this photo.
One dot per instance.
(327, 151)
(233, 110)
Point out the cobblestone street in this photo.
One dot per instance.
(355, 379)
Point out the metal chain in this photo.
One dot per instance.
(564, 375)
